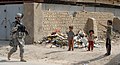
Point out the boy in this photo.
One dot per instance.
(70, 38)
(108, 36)
(91, 40)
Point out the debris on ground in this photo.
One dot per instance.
(55, 39)
(81, 41)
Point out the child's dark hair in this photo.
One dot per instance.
(91, 31)
(110, 21)
(71, 27)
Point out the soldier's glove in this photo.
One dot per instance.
(26, 32)
(11, 43)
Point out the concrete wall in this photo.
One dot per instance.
(71, 8)
(38, 21)
(29, 21)
(96, 1)
(116, 24)
(91, 24)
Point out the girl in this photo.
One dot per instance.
(91, 40)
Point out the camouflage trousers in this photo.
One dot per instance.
(18, 43)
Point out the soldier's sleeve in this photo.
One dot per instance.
(14, 28)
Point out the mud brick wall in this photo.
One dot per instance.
(62, 20)
(56, 20)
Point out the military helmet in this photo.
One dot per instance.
(19, 15)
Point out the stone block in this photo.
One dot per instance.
(116, 24)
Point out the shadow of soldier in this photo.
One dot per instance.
(114, 61)
(8, 61)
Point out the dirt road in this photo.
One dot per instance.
(38, 53)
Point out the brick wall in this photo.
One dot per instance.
(61, 20)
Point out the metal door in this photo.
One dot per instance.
(7, 16)
(2, 22)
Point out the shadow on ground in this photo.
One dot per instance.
(54, 52)
(114, 61)
(8, 61)
(91, 60)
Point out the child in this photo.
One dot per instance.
(108, 36)
(70, 38)
(91, 40)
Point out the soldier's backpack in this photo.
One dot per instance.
(22, 28)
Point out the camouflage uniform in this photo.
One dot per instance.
(17, 39)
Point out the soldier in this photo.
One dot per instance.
(18, 35)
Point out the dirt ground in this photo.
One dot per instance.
(41, 53)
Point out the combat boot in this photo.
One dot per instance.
(9, 55)
(23, 60)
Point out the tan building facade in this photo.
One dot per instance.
(40, 23)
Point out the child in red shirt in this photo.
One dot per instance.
(91, 40)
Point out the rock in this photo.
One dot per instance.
(100, 41)
(49, 45)
(85, 64)
(38, 42)
(53, 46)
(112, 42)
(46, 57)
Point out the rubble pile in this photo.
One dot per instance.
(58, 39)
(81, 41)
(55, 39)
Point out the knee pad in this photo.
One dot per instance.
(15, 50)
